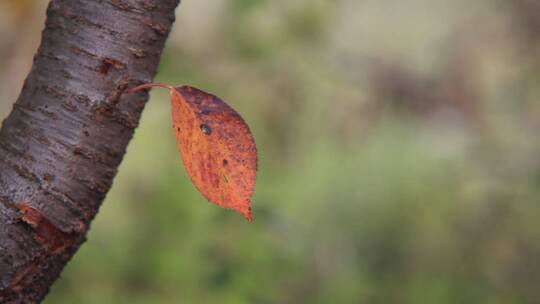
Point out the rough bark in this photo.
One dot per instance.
(67, 133)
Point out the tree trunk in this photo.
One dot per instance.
(67, 133)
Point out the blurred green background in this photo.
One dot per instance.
(399, 157)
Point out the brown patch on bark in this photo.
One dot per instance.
(149, 5)
(78, 51)
(158, 28)
(108, 63)
(137, 53)
(120, 4)
(19, 276)
(46, 233)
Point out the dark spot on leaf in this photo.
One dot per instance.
(225, 162)
(206, 129)
(205, 112)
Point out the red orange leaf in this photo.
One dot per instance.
(216, 146)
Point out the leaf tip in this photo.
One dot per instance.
(249, 217)
(246, 213)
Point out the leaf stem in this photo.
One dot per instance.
(149, 85)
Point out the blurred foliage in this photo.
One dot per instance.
(399, 160)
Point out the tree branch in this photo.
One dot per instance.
(61, 145)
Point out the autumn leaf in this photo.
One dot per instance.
(216, 146)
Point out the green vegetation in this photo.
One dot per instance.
(399, 162)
